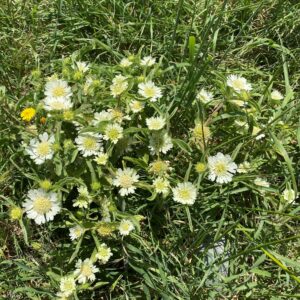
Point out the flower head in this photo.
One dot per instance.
(150, 91)
(221, 168)
(244, 167)
(289, 195)
(238, 83)
(104, 253)
(57, 89)
(119, 85)
(67, 286)
(89, 143)
(125, 227)
(155, 123)
(160, 142)
(125, 62)
(136, 106)
(161, 185)
(41, 206)
(113, 133)
(148, 61)
(76, 232)
(51, 103)
(200, 132)
(102, 116)
(83, 199)
(41, 149)
(185, 193)
(125, 179)
(85, 271)
(159, 167)
(276, 95)
(200, 167)
(101, 159)
(15, 213)
(81, 66)
(204, 96)
(28, 114)
(261, 182)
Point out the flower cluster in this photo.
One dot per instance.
(103, 142)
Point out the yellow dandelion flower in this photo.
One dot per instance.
(27, 114)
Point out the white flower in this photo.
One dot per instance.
(261, 182)
(255, 131)
(101, 159)
(155, 123)
(161, 185)
(76, 232)
(126, 179)
(57, 88)
(119, 85)
(83, 199)
(125, 227)
(244, 167)
(148, 61)
(125, 62)
(89, 143)
(41, 149)
(185, 193)
(289, 195)
(150, 90)
(238, 83)
(67, 286)
(101, 117)
(41, 206)
(85, 271)
(118, 115)
(204, 96)
(221, 168)
(88, 83)
(136, 106)
(51, 103)
(160, 142)
(104, 253)
(81, 66)
(113, 132)
(276, 95)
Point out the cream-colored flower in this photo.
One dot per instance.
(51, 103)
(41, 206)
(84, 198)
(125, 179)
(113, 133)
(150, 91)
(125, 227)
(244, 167)
(276, 95)
(147, 61)
(200, 132)
(101, 159)
(160, 142)
(204, 96)
(221, 168)
(58, 89)
(159, 167)
(185, 193)
(119, 85)
(155, 123)
(161, 185)
(85, 271)
(238, 83)
(89, 143)
(136, 106)
(41, 149)
(104, 253)
(261, 182)
(102, 116)
(76, 232)
(67, 286)
(81, 66)
(125, 62)
(289, 195)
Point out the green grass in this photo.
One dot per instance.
(199, 42)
